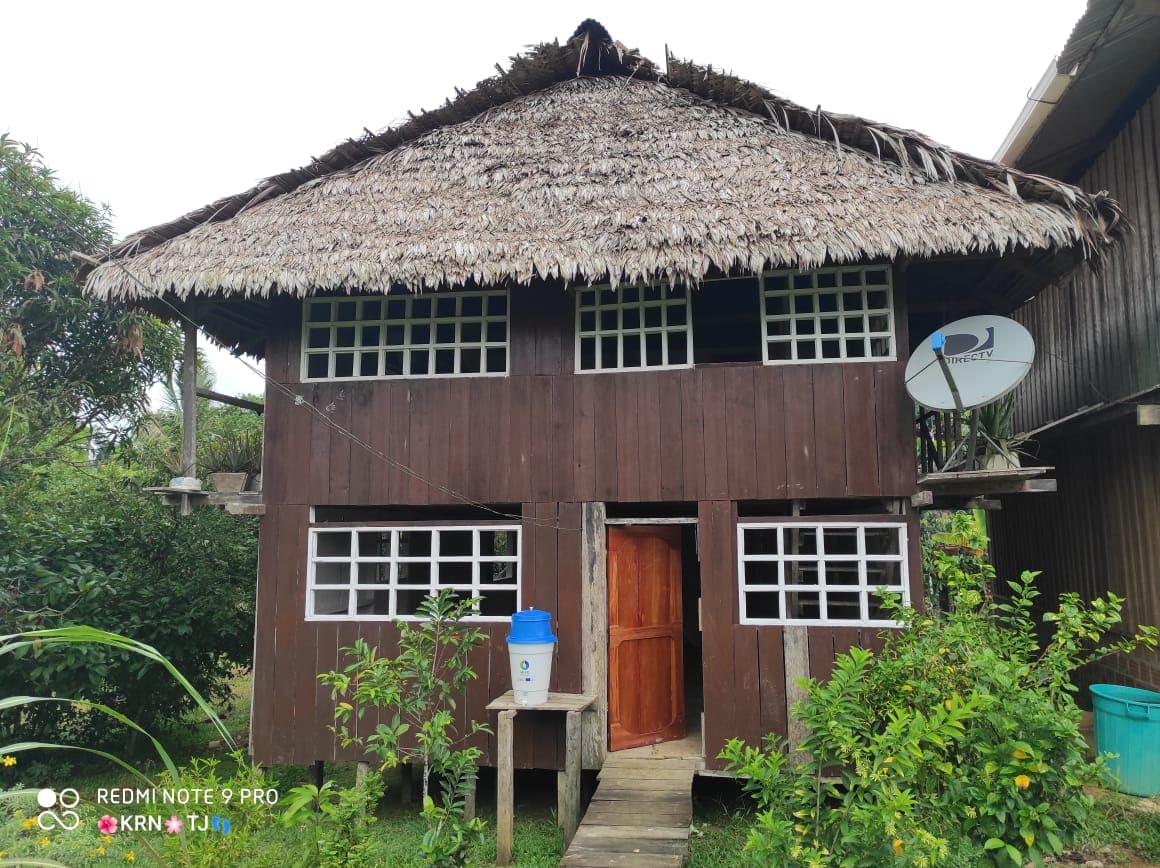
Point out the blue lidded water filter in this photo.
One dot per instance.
(531, 627)
(530, 648)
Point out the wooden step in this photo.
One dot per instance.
(639, 815)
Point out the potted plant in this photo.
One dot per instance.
(999, 448)
(229, 459)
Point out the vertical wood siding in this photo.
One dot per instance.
(743, 665)
(720, 432)
(292, 710)
(550, 440)
(1098, 333)
(1099, 532)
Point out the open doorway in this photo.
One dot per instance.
(654, 656)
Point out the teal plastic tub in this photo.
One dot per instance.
(1127, 722)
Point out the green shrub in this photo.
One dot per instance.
(963, 729)
(84, 545)
(338, 819)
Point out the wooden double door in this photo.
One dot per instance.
(646, 692)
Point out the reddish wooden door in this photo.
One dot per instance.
(646, 691)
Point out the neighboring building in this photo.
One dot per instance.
(1092, 397)
(622, 344)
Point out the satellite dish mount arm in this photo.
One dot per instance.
(937, 342)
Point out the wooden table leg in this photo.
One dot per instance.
(505, 790)
(570, 804)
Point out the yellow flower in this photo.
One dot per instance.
(106, 839)
(889, 759)
(897, 846)
(100, 851)
(130, 856)
(1022, 781)
(949, 704)
(43, 842)
(906, 688)
(8, 760)
(30, 823)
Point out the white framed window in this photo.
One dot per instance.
(383, 572)
(843, 314)
(633, 328)
(825, 572)
(454, 334)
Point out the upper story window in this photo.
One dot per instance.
(635, 327)
(383, 572)
(837, 314)
(440, 334)
(828, 314)
(820, 572)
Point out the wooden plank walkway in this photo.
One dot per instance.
(640, 814)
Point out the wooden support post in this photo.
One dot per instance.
(361, 770)
(469, 799)
(504, 790)
(568, 795)
(188, 408)
(318, 772)
(796, 653)
(594, 631)
(406, 784)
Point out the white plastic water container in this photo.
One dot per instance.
(531, 645)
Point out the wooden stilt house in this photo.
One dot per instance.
(620, 342)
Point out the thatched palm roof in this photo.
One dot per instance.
(584, 162)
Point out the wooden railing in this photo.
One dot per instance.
(940, 434)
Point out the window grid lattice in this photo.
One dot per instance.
(462, 334)
(820, 573)
(633, 328)
(382, 573)
(828, 314)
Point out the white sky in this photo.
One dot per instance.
(158, 108)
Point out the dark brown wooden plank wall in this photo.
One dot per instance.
(771, 680)
(1098, 532)
(716, 523)
(293, 710)
(1098, 332)
(723, 432)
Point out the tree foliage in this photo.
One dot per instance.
(70, 366)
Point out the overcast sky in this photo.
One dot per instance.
(158, 108)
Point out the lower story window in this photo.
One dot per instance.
(383, 572)
(820, 572)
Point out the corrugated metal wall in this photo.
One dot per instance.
(1098, 334)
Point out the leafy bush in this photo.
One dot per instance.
(84, 545)
(963, 728)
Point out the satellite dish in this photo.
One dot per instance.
(986, 356)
